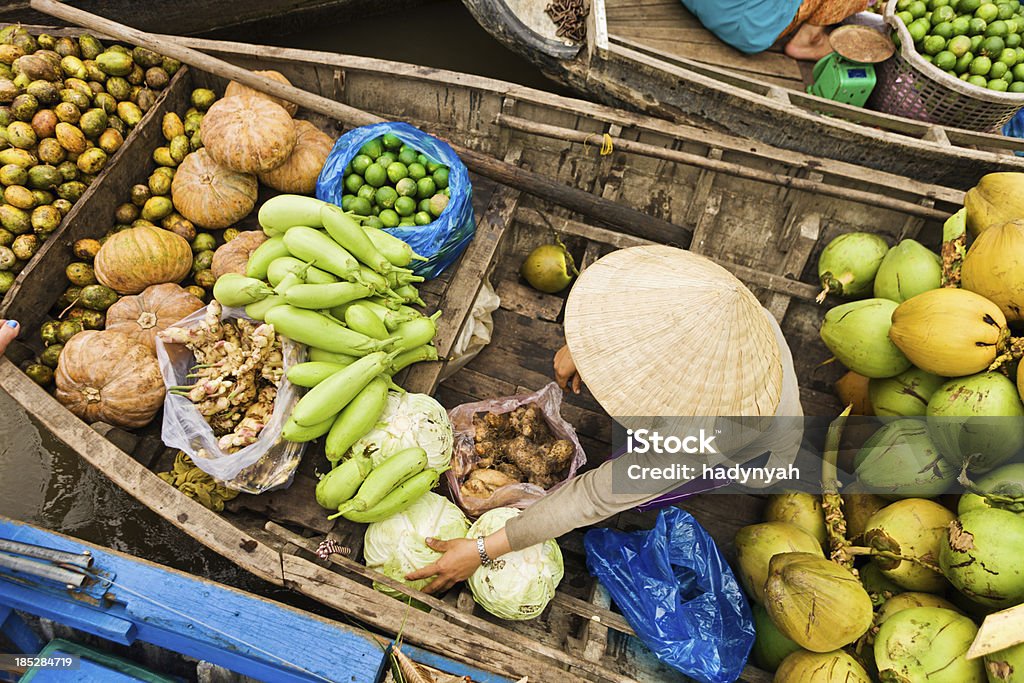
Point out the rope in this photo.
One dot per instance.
(607, 146)
(570, 17)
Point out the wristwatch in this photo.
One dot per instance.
(485, 559)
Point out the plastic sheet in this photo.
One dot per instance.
(477, 332)
(268, 463)
(464, 457)
(441, 241)
(678, 593)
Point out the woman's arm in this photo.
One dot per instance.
(460, 560)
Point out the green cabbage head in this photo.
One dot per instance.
(524, 583)
(410, 420)
(395, 546)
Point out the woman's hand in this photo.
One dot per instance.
(565, 370)
(461, 558)
(8, 332)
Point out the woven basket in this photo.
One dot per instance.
(909, 86)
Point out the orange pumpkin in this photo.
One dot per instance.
(299, 173)
(232, 257)
(158, 307)
(105, 376)
(235, 89)
(211, 195)
(133, 259)
(248, 134)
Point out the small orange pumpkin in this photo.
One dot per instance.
(211, 195)
(233, 256)
(236, 89)
(248, 134)
(105, 376)
(133, 259)
(299, 173)
(158, 307)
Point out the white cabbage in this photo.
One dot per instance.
(525, 581)
(395, 546)
(410, 420)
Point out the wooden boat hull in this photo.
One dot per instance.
(763, 212)
(196, 17)
(629, 73)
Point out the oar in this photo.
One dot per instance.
(999, 631)
(598, 208)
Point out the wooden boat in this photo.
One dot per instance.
(116, 612)
(195, 17)
(654, 56)
(765, 213)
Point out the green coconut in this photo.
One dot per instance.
(1006, 484)
(1006, 666)
(977, 417)
(878, 586)
(821, 667)
(904, 395)
(857, 334)
(549, 268)
(756, 544)
(927, 645)
(848, 264)
(802, 509)
(981, 556)
(770, 646)
(902, 601)
(900, 460)
(912, 528)
(908, 269)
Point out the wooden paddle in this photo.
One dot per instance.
(627, 219)
(999, 631)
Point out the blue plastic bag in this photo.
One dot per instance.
(678, 593)
(441, 241)
(1014, 128)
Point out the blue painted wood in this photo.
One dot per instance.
(201, 619)
(44, 603)
(18, 632)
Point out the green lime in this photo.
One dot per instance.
(360, 206)
(918, 29)
(441, 177)
(424, 204)
(389, 217)
(387, 158)
(372, 149)
(992, 46)
(928, 58)
(959, 45)
(963, 62)
(1016, 86)
(353, 181)
(423, 218)
(977, 26)
(386, 196)
(360, 162)
(347, 169)
(943, 14)
(417, 171)
(1005, 10)
(976, 43)
(961, 25)
(404, 148)
(1013, 25)
(996, 28)
(934, 44)
(425, 187)
(422, 158)
(979, 81)
(902, 4)
(397, 171)
(447, 192)
(431, 166)
(405, 206)
(1018, 71)
(373, 222)
(968, 6)
(407, 223)
(1008, 76)
(945, 30)
(928, 17)
(966, 76)
(945, 60)
(1013, 40)
(998, 84)
(375, 175)
(406, 187)
(988, 11)
(346, 202)
(935, 4)
(905, 17)
(438, 203)
(997, 71)
(366, 192)
(1008, 57)
(391, 141)
(980, 66)
(1020, 53)
(407, 156)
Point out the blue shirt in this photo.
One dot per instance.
(748, 25)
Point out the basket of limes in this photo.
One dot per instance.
(960, 63)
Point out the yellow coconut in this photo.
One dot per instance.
(852, 389)
(949, 332)
(997, 198)
(994, 268)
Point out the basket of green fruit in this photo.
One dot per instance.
(960, 63)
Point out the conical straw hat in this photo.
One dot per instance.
(660, 331)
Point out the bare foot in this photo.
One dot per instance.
(809, 43)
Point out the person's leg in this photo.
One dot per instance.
(809, 43)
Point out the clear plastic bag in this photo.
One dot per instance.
(476, 334)
(678, 593)
(270, 462)
(464, 457)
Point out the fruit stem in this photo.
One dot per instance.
(821, 295)
(954, 248)
(997, 500)
(831, 501)
(856, 551)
